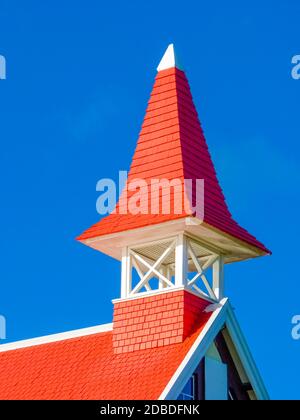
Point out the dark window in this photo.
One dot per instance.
(188, 392)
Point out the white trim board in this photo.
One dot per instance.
(234, 249)
(196, 353)
(143, 295)
(55, 337)
(245, 355)
(223, 315)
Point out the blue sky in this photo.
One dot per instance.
(79, 74)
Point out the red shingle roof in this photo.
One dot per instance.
(87, 368)
(171, 145)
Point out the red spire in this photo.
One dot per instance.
(171, 145)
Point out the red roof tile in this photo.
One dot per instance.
(171, 145)
(87, 368)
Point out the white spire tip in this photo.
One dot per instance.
(169, 59)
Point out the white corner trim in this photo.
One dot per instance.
(142, 295)
(245, 355)
(174, 289)
(196, 352)
(56, 337)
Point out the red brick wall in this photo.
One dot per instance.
(154, 321)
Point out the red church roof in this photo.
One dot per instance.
(172, 145)
(87, 368)
(82, 364)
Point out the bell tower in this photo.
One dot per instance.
(178, 262)
(174, 245)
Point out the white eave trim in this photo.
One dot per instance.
(55, 337)
(245, 356)
(223, 315)
(142, 295)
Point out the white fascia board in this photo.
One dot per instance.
(56, 337)
(142, 295)
(196, 352)
(245, 356)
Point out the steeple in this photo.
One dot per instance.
(172, 145)
(174, 245)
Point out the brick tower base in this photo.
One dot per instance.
(157, 320)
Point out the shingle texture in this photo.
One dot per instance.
(88, 368)
(156, 321)
(171, 145)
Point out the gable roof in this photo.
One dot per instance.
(85, 367)
(171, 145)
(82, 364)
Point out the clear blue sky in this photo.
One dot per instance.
(78, 78)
